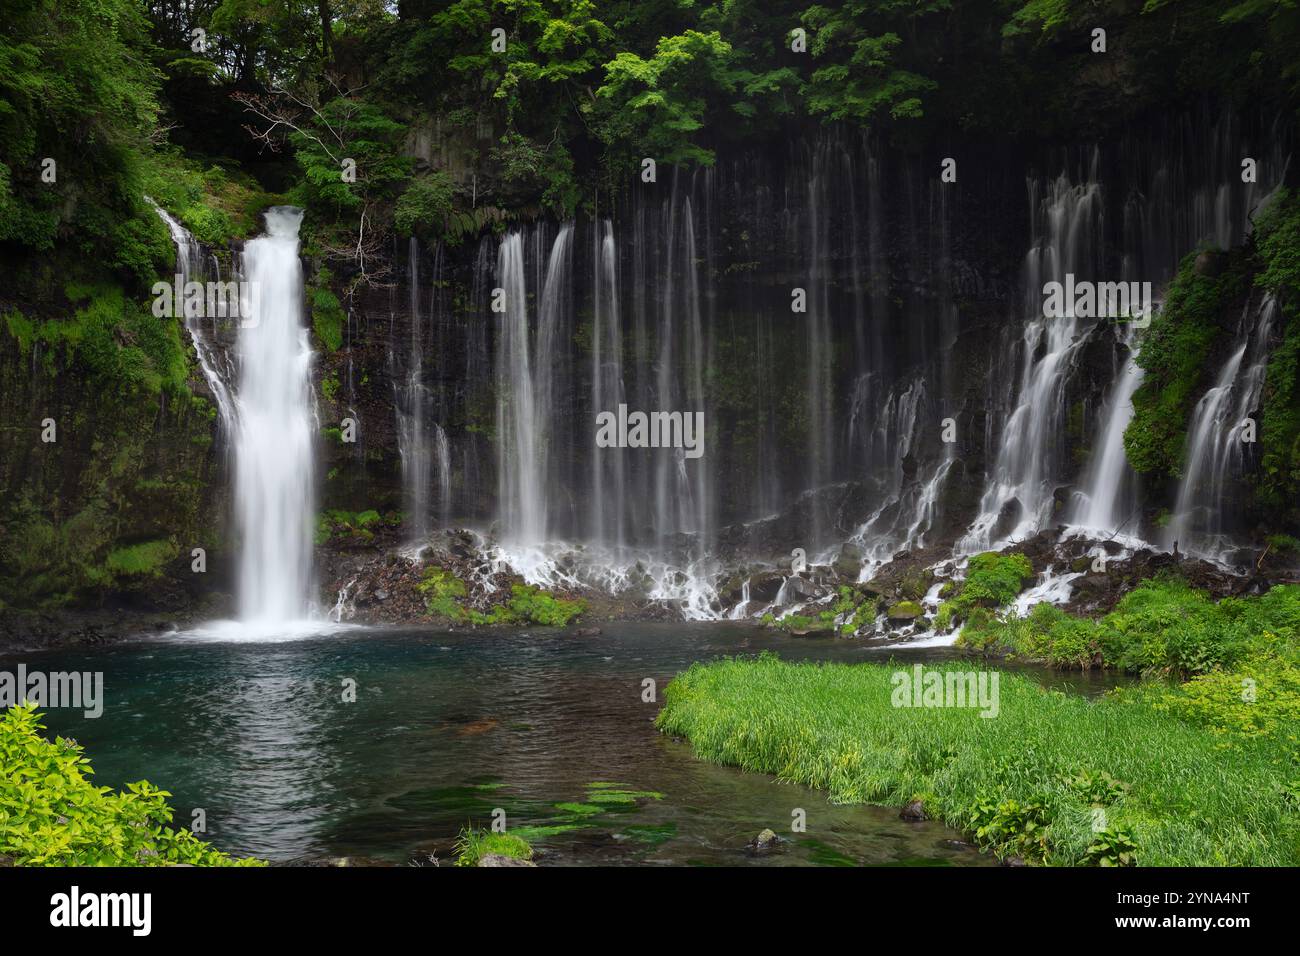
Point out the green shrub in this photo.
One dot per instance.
(52, 815)
(423, 208)
(442, 592)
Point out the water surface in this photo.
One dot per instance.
(448, 727)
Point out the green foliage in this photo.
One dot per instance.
(52, 815)
(1162, 626)
(424, 207)
(123, 347)
(993, 579)
(338, 525)
(443, 593)
(532, 605)
(1011, 827)
(445, 599)
(660, 104)
(1260, 697)
(473, 845)
(1173, 795)
(327, 316)
(857, 77)
(1175, 353)
(1278, 238)
(216, 205)
(145, 559)
(75, 87)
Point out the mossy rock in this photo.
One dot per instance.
(905, 612)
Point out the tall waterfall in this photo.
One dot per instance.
(415, 444)
(1019, 496)
(275, 465)
(1217, 449)
(525, 401)
(609, 469)
(1108, 499)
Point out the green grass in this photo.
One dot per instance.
(1024, 782)
(474, 844)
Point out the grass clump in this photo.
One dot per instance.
(473, 845)
(1029, 781)
(52, 815)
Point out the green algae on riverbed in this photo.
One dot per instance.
(1055, 778)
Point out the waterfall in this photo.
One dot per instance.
(525, 400)
(274, 462)
(213, 363)
(413, 440)
(608, 517)
(1217, 447)
(1019, 497)
(1108, 498)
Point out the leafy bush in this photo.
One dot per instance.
(424, 206)
(51, 815)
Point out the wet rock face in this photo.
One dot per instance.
(907, 578)
(107, 514)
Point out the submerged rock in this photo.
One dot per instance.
(914, 812)
(766, 840)
(500, 859)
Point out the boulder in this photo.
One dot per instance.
(766, 840)
(914, 812)
(499, 859)
(904, 612)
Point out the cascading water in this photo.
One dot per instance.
(609, 471)
(217, 370)
(1219, 439)
(274, 458)
(525, 402)
(413, 438)
(1019, 499)
(1107, 502)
